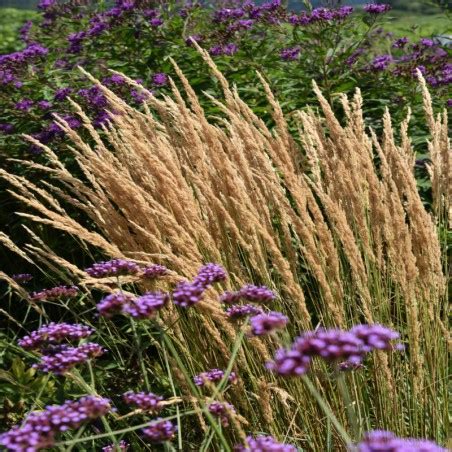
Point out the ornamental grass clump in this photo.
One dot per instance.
(327, 217)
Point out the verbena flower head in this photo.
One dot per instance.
(241, 311)
(65, 358)
(113, 304)
(290, 54)
(230, 297)
(264, 444)
(146, 306)
(55, 293)
(400, 43)
(54, 333)
(147, 401)
(257, 294)
(381, 62)
(24, 104)
(381, 440)
(160, 431)
(22, 278)
(114, 267)
(376, 337)
(221, 410)
(374, 8)
(154, 271)
(62, 94)
(213, 375)
(336, 346)
(123, 447)
(209, 274)
(266, 323)
(39, 428)
(187, 294)
(160, 79)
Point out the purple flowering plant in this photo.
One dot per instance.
(337, 46)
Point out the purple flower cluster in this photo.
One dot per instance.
(214, 376)
(55, 333)
(146, 401)
(236, 312)
(264, 444)
(154, 271)
(114, 267)
(146, 306)
(266, 323)
(143, 307)
(226, 49)
(22, 278)
(160, 79)
(256, 294)
(123, 447)
(381, 62)
(62, 358)
(222, 411)
(113, 304)
(333, 346)
(187, 293)
(160, 431)
(320, 16)
(62, 94)
(39, 428)
(377, 8)
(290, 54)
(55, 293)
(381, 440)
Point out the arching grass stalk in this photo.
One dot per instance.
(195, 390)
(327, 410)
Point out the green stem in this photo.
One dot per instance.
(352, 418)
(327, 410)
(116, 432)
(195, 391)
(140, 355)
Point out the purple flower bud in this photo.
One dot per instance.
(154, 271)
(222, 411)
(54, 333)
(263, 444)
(156, 22)
(373, 8)
(230, 297)
(22, 278)
(239, 312)
(68, 357)
(146, 306)
(24, 105)
(44, 104)
(381, 440)
(114, 267)
(290, 54)
(209, 274)
(187, 294)
(160, 431)
(213, 375)
(113, 304)
(159, 79)
(257, 294)
(39, 428)
(55, 293)
(62, 93)
(146, 401)
(266, 323)
(400, 43)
